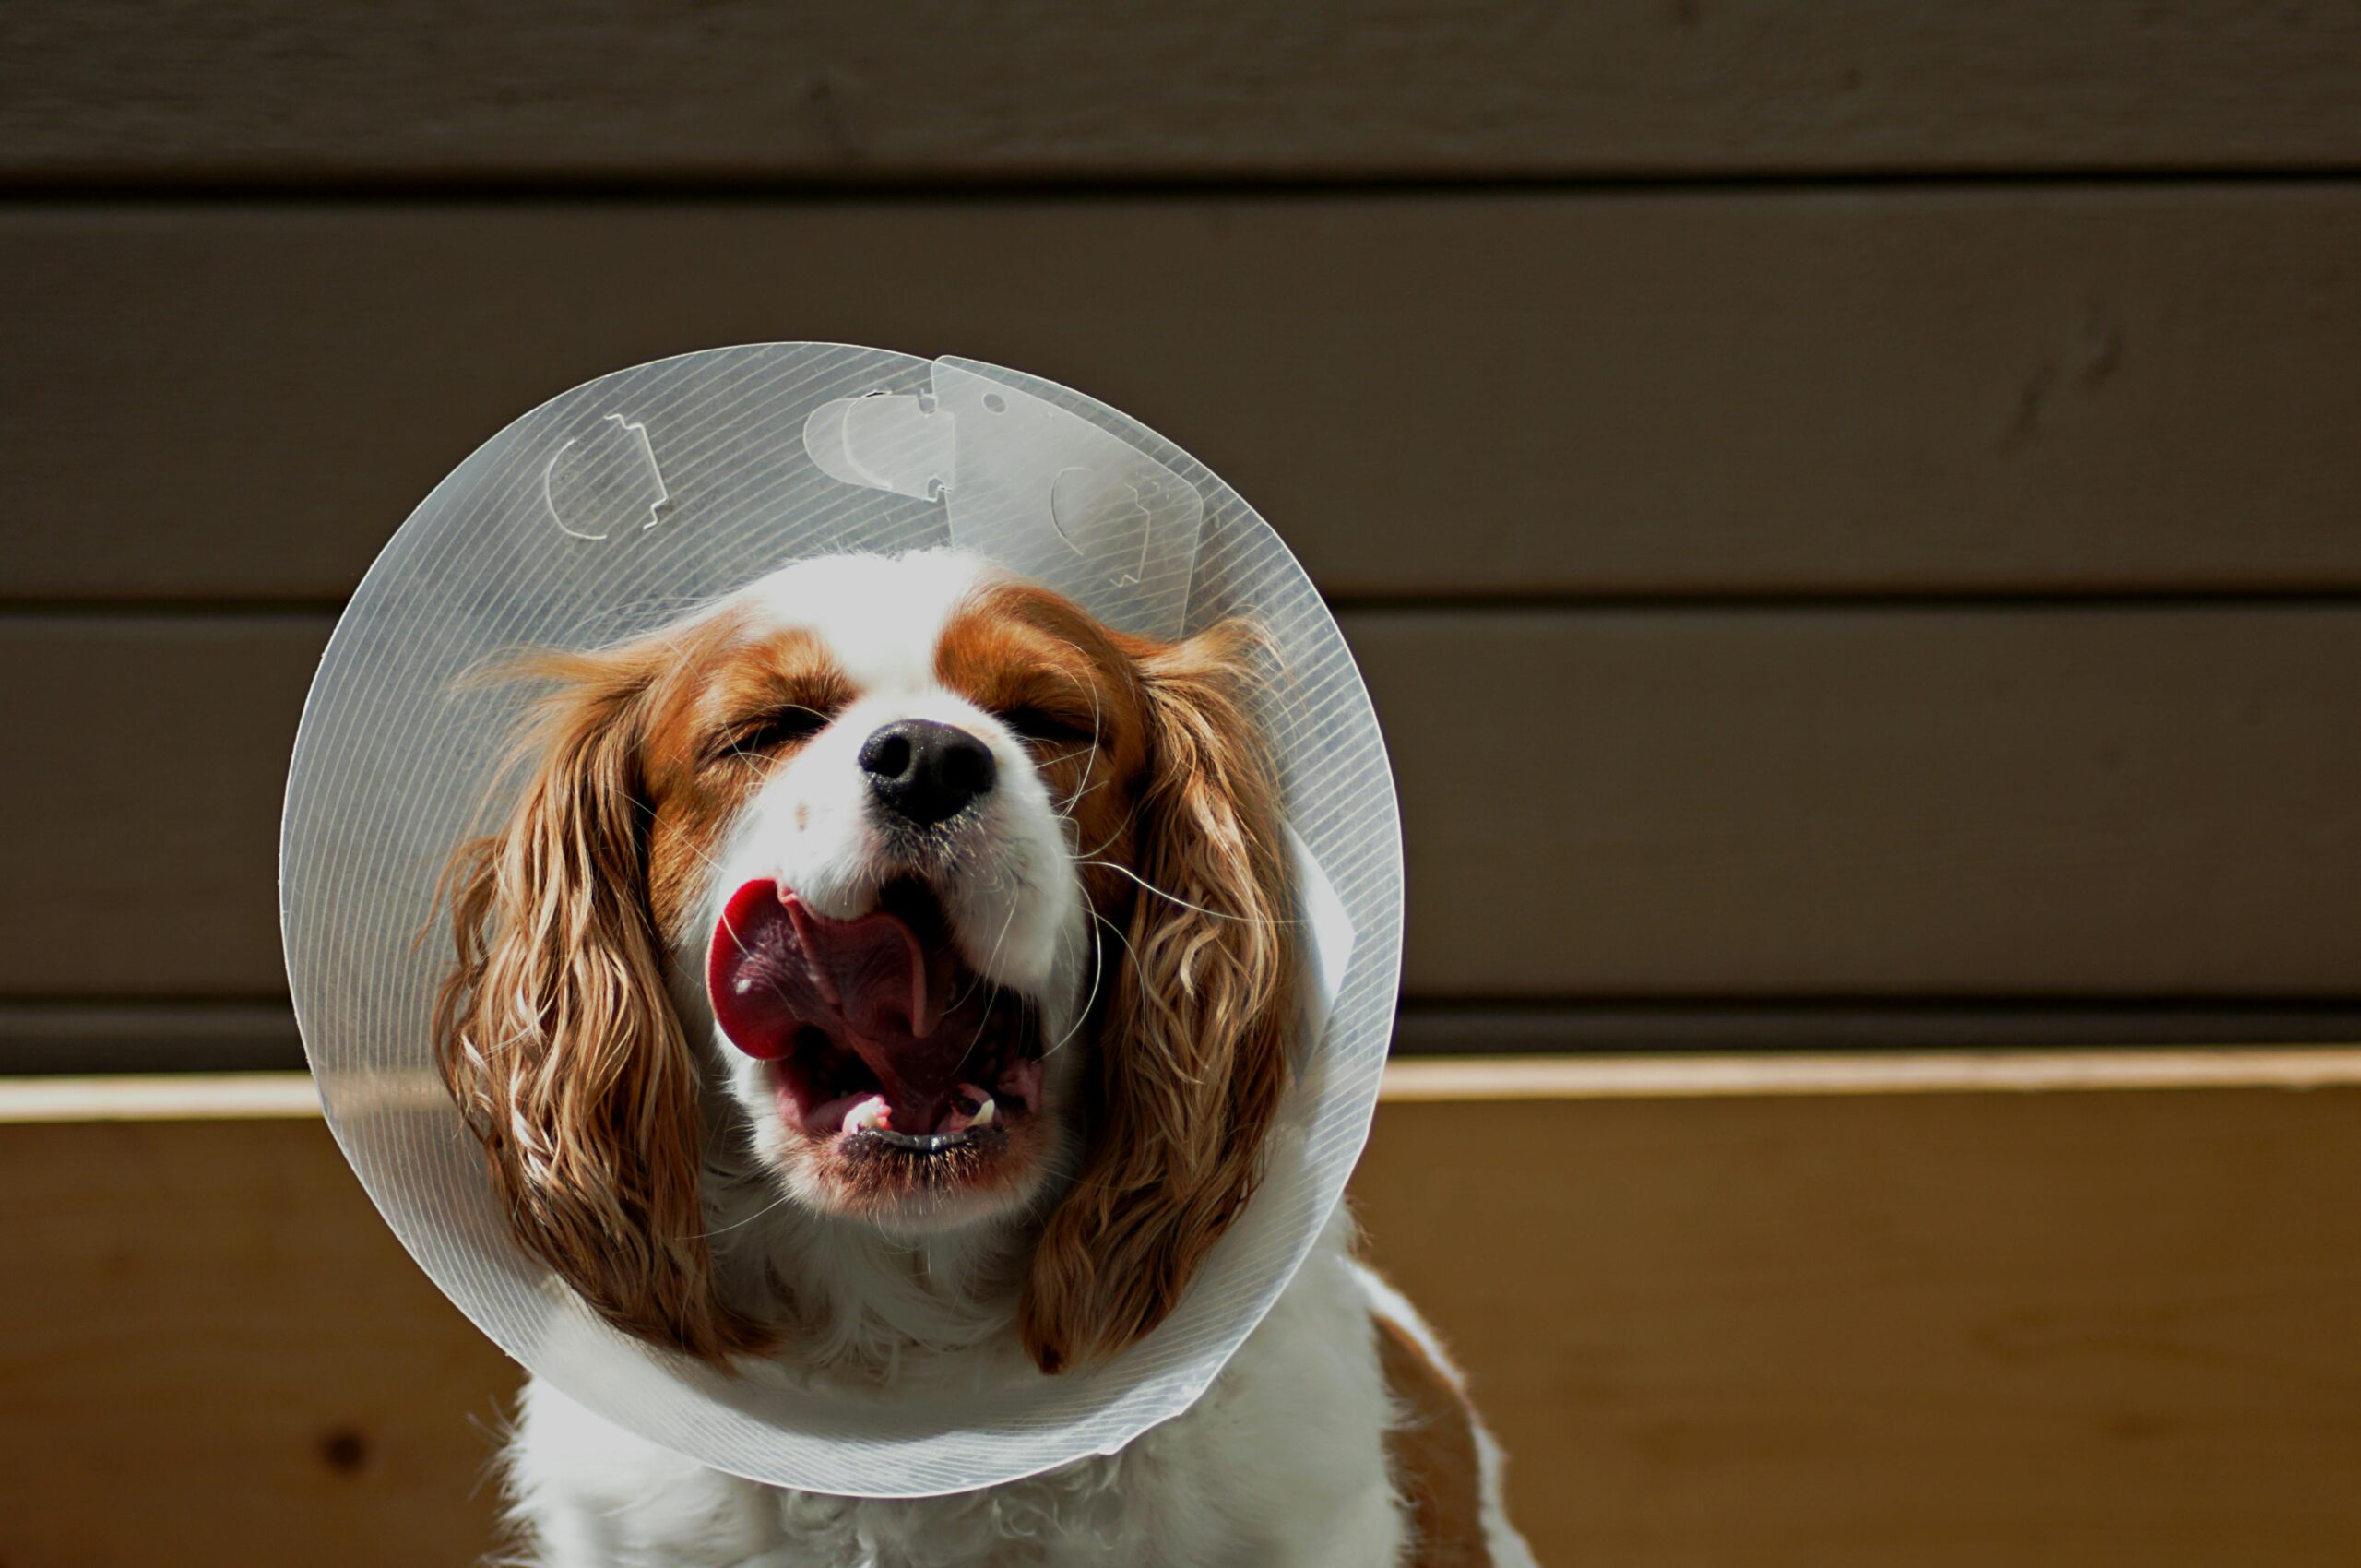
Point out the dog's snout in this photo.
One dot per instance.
(927, 771)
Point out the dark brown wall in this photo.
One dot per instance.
(1879, 481)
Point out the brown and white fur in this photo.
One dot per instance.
(1110, 883)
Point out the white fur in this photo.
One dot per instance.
(1508, 1548)
(1011, 892)
(1281, 1465)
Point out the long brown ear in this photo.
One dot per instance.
(1193, 1053)
(554, 1035)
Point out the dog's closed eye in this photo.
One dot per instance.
(754, 739)
(1048, 726)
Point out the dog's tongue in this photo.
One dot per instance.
(876, 985)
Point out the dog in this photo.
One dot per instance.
(889, 962)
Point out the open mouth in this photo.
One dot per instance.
(875, 1030)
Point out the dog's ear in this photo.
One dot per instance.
(1193, 1051)
(553, 1032)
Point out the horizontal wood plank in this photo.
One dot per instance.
(151, 766)
(1687, 1075)
(208, 1337)
(1829, 1329)
(115, 1037)
(1428, 1028)
(272, 1096)
(1608, 803)
(279, 89)
(162, 1097)
(1875, 803)
(109, 1035)
(2056, 389)
(1944, 1330)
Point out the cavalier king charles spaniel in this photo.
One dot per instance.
(890, 961)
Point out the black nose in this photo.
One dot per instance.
(926, 771)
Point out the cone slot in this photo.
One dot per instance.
(1034, 487)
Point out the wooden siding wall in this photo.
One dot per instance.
(1849, 510)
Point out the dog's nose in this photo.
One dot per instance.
(926, 771)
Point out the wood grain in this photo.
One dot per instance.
(2060, 389)
(1942, 1330)
(2155, 803)
(736, 90)
(1825, 1330)
(213, 1352)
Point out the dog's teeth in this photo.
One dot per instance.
(984, 1114)
(869, 1116)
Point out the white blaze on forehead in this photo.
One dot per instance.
(1013, 900)
(880, 616)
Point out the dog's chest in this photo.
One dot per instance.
(636, 1505)
(1280, 1465)
(1085, 1515)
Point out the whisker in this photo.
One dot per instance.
(1097, 973)
(1123, 870)
(1090, 856)
(1075, 799)
(983, 976)
(744, 951)
(771, 1208)
(984, 1022)
(1088, 768)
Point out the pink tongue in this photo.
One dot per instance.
(872, 984)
